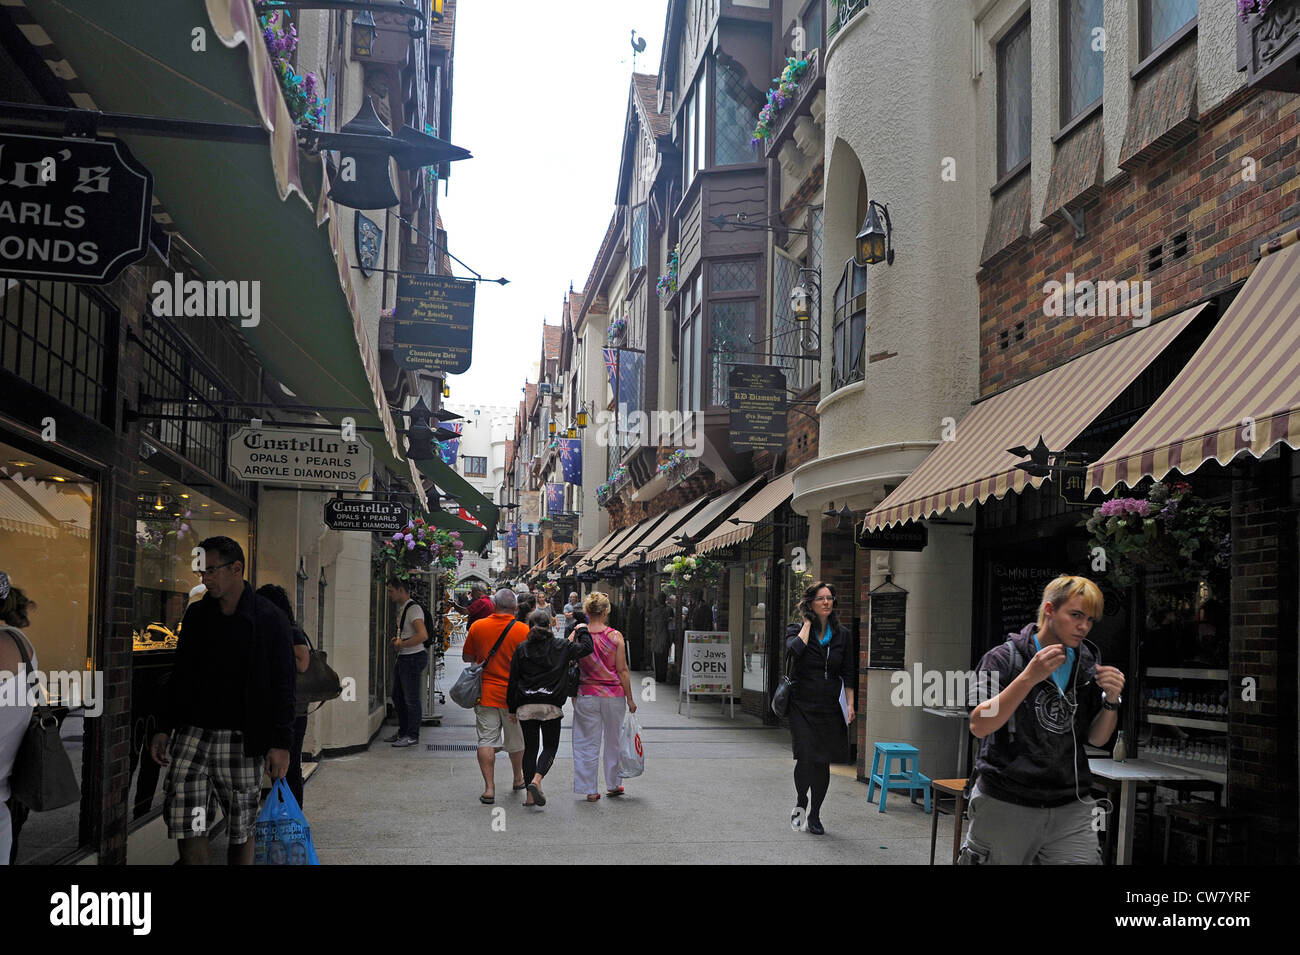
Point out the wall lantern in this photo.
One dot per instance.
(571, 432)
(801, 303)
(582, 417)
(550, 428)
(420, 434)
(844, 516)
(363, 33)
(875, 242)
(446, 389)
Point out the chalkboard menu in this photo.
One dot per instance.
(888, 633)
(756, 398)
(433, 324)
(1017, 593)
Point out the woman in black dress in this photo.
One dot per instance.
(821, 661)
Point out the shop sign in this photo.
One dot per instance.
(1074, 486)
(564, 528)
(433, 324)
(74, 210)
(887, 637)
(373, 517)
(911, 536)
(706, 664)
(303, 457)
(757, 401)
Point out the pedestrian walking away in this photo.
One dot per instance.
(604, 694)
(301, 660)
(660, 636)
(412, 658)
(230, 701)
(820, 654)
(539, 677)
(15, 717)
(1030, 802)
(496, 726)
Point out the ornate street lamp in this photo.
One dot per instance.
(875, 242)
(363, 33)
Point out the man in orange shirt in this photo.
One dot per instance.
(497, 729)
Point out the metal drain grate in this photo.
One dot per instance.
(450, 747)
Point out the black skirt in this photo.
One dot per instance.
(818, 734)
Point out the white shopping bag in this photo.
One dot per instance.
(631, 757)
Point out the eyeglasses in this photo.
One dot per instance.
(823, 597)
(212, 570)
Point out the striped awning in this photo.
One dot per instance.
(608, 546)
(628, 548)
(708, 516)
(1239, 392)
(1057, 405)
(665, 527)
(740, 527)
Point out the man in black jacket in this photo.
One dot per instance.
(1031, 803)
(230, 701)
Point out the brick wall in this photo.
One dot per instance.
(1262, 762)
(1196, 189)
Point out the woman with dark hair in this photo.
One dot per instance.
(820, 655)
(302, 659)
(539, 676)
(527, 604)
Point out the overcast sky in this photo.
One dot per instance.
(540, 99)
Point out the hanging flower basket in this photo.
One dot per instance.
(614, 334)
(418, 548)
(1245, 8)
(693, 573)
(301, 93)
(1170, 532)
(676, 461)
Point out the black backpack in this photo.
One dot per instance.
(428, 621)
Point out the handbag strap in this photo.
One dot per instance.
(41, 706)
(401, 624)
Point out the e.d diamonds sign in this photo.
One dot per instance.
(301, 457)
(71, 209)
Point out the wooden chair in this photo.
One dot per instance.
(954, 789)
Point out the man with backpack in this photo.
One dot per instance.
(1031, 802)
(411, 661)
(492, 642)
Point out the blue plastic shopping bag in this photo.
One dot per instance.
(282, 834)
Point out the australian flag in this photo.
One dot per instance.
(447, 449)
(512, 537)
(611, 366)
(554, 498)
(571, 460)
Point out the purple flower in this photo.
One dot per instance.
(397, 536)
(410, 545)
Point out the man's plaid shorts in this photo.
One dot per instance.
(207, 767)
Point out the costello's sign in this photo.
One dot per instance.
(301, 457)
(71, 209)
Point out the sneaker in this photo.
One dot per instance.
(407, 741)
(393, 739)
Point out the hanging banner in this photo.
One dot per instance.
(433, 324)
(512, 537)
(554, 498)
(447, 449)
(530, 507)
(564, 528)
(757, 401)
(74, 210)
(571, 460)
(611, 368)
(301, 457)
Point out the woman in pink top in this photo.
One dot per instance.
(604, 693)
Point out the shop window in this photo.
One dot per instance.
(1081, 56)
(733, 127)
(47, 548)
(692, 344)
(1159, 20)
(1014, 98)
(849, 338)
(755, 638)
(60, 338)
(813, 19)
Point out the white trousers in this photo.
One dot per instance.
(594, 717)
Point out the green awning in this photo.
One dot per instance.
(225, 199)
(453, 485)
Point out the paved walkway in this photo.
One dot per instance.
(714, 791)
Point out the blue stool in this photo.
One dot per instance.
(885, 779)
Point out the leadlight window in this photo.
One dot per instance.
(1158, 20)
(733, 126)
(849, 338)
(1014, 98)
(1082, 44)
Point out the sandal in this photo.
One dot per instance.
(487, 800)
(593, 797)
(614, 792)
(535, 791)
(517, 788)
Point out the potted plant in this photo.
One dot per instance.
(693, 573)
(301, 93)
(667, 283)
(417, 548)
(1170, 532)
(787, 85)
(614, 334)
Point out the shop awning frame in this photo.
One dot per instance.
(1057, 406)
(740, 526)
(670, 524)
(707, 518)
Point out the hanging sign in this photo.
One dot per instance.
(757, 400)
(374, 517)
(433, 324)
(912, 536)
(301, 457)
(564, 528)
(75, 210)
(887, 637)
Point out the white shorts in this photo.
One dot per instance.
(493, 723)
